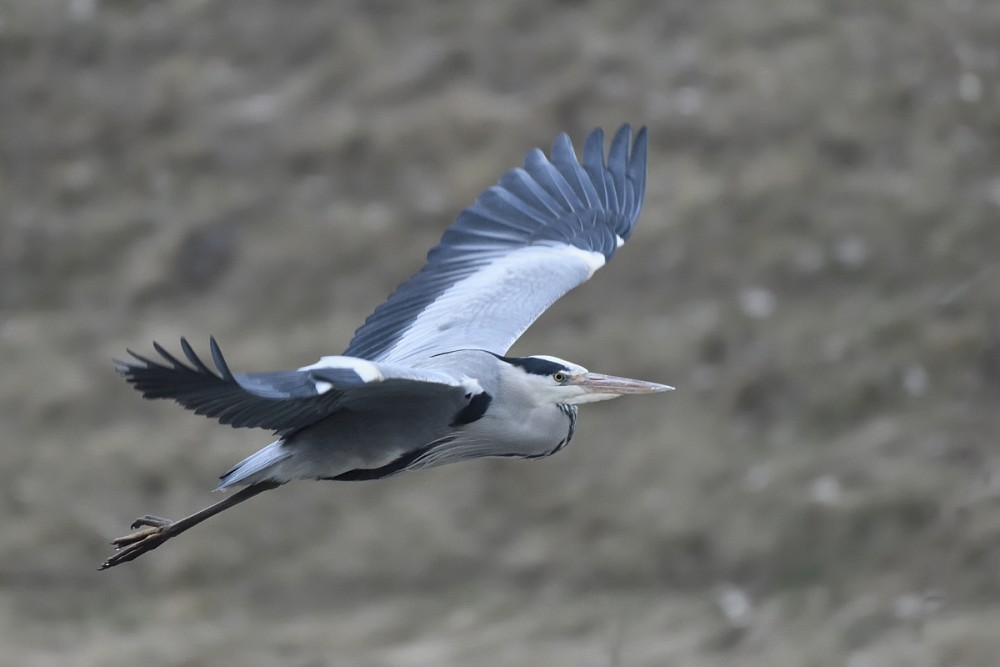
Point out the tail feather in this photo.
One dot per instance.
(248, 470)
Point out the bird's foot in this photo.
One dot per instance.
(153, 531)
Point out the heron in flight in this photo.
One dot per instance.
(425, 380)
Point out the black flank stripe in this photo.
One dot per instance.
(399, 465)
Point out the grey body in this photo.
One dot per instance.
(408, 430)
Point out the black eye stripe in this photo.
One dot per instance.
(535, 366)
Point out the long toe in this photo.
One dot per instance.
(135, 544)
(137, 536)
(150, 520)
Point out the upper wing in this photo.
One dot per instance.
(541, 231)
(282, 401)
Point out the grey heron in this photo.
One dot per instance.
(425, 380)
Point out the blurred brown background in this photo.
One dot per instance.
(816, 270)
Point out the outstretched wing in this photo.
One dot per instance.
(283, 401)
(541, 231)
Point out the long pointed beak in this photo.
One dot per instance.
(596, 383)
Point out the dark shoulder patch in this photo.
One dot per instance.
(534, 365)
(474, 411)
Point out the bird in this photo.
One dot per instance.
(426, 380)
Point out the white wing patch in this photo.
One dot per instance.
(491, 308)
(366, 370)
(593, 260)
(471, 385)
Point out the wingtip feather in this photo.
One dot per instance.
(193, 358)
(593, 148)
(220, 361)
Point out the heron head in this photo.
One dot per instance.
(559, 381)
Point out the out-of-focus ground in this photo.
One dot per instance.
(817, 269)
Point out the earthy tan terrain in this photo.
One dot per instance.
(816, 270)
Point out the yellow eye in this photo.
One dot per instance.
(559, 376)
